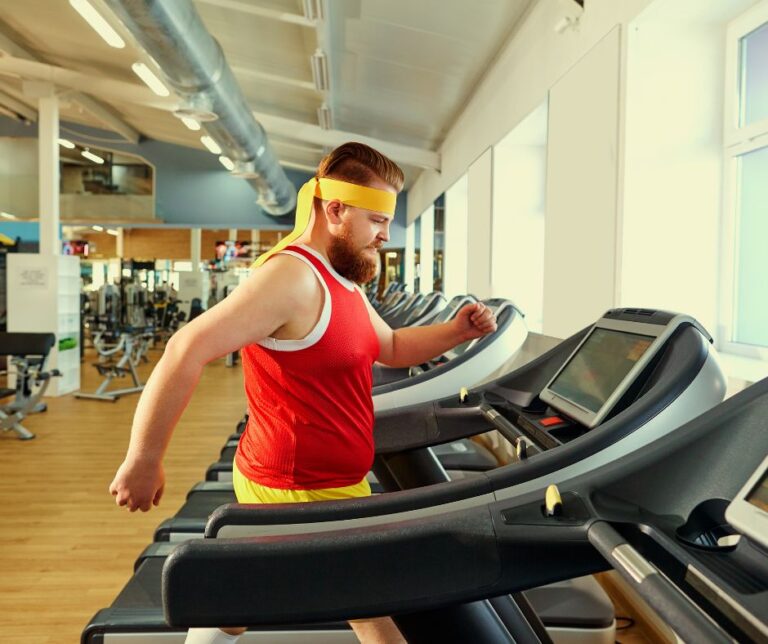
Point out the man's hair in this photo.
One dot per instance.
(359, 163)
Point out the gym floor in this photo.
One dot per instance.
(67, 549)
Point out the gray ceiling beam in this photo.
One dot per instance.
(263, 12)
(99, 110)
(310, 133)
(17, 107)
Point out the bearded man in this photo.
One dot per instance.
(308, 339)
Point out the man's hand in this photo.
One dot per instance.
(137, 485)
(474, 321)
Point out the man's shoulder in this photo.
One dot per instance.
(291, 274)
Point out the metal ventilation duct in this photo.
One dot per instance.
(192, 62)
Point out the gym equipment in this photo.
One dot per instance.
(133, 345)
(27, 353)
(402, 309)
(466, 365)
(657, 515)
(383, 375)
(424, 313)
(448, 522)
(392, 287)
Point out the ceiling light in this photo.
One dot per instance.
(7, 215)
(66, 143)
(113, 232)
(98, 229)
(149, 77)
(93, 157)
(192, 124)
(96, 20)
(324, 117)
(319, 63)
(209, 143)
(227, 163)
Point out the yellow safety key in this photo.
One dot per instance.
(553, 502)
(463, 395)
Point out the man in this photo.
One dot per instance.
(309, 338)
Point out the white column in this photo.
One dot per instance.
(479, 191)
(232, 234)
(120, 242)
(427, 250)
(455, 280)
(582, 179)
(410, 256)
(195, 244)
(48, 155)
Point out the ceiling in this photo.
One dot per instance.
(400, 71)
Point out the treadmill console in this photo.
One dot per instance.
(606, 363)
(607, 370)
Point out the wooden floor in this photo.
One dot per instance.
(67, 550)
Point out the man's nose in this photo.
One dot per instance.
(384, 232)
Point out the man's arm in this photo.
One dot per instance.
(413, 345)
(265, 302)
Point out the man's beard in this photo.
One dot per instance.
(353, 264)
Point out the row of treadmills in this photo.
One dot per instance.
(624, 457)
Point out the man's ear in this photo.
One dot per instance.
(334, 209)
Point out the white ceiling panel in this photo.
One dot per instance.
(401, 70)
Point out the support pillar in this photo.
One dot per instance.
(48, 164)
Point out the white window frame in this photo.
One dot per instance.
(737, 141)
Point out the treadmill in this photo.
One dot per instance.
(684, 521)
(403, 309)
(466, 365)
(383, 375)
(671, 374)
(428, 307)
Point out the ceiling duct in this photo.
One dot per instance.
(193, 64)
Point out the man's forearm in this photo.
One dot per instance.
(162, 402)
(414, 345)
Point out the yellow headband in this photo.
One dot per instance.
(349, 194)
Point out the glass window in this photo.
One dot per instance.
(438, 271)
(751, 315)
(744, 294)
(754, 76)
(417, 255)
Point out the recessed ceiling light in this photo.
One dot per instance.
(96, 20)
(209, 143)
(149, 77)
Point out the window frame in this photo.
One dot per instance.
(737, 141)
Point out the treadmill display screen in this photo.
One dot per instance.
(759, 494)
(598, 368)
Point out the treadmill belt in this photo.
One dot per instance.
(143, 589)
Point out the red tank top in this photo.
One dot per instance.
(310, 408)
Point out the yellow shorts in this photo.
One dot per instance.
(249, 492)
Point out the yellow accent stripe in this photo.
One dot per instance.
(349, 194)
